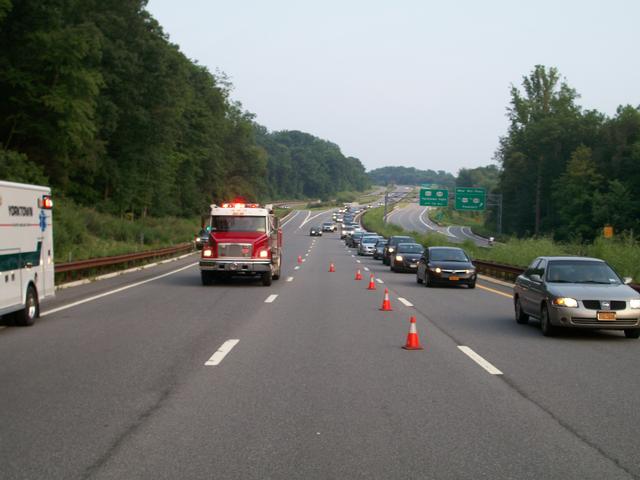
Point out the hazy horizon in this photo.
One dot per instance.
(411, 84)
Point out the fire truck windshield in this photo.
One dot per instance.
(228, 223)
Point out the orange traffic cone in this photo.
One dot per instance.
(372, 285)
(413, 343)
(358, 275)
(332, 268)
(299, 258)
(386, 304)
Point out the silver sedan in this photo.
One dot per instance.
(576, 292)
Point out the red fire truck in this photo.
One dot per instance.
(245, 239)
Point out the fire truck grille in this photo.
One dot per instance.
(235, 250)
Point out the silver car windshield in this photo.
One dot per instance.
(571, 271)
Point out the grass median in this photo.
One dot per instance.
(622, 252)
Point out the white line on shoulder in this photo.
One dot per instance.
(117, 290)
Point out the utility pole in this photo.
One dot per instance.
(495, 200)
(386, 201)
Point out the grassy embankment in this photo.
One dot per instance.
(81, 233)
(622, 252)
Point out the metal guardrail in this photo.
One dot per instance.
(90, 263)
(510, 272)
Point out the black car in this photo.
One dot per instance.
(354, 239)
(391, 246)
(446, 265)
(315, 231)
(379, 248)
(406, 257)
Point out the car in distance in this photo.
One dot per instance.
(328, 227)
(446, 265)
(354, 238)
(391, 246)
(367, 244)
(406, 257)
(379, 248)
(315, 231)
(576, 292)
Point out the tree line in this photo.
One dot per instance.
(97, 102)
(411, 176)
(567, 171)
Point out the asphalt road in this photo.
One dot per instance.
(414, 218)
(316, 387)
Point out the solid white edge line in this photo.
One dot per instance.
(305, 220)
(406, 302)
(222, 352)
(479, 360)
(379, 280)
(289, 279)
(117, 290)
(271, 298)
(297, 267)
(294, 216)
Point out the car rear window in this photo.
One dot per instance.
(410, 248)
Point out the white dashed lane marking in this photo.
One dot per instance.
(379, 280)
(271, 298)
(297, 267)
(405, 302)
(358, 261)
(217, 357)
(366, 269)
(479, 360)
(289, 279)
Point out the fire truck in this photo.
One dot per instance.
(244, 239)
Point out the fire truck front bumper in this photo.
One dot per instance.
(235, 266)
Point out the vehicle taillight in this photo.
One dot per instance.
(45, 202)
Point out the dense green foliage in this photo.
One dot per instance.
(301, 165)
(565, 171)
(484, 177)
(410, 176)
(95, 101)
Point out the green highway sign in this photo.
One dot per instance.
(434, 197)
(471, 198)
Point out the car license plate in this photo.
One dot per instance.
(454, 279)
(414, 265)
(606, 316)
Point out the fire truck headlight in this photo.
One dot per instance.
(263, 254)
(207, 252)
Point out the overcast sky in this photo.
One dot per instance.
(413, 83)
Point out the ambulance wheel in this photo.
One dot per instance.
(27, 316)
(266, 279)
(207, 277)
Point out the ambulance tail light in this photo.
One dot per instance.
(46, 203)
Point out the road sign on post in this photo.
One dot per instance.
(434, 197)
(471, 198)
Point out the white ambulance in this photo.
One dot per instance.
(26, 250)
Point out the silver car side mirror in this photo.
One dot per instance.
(627, 280)
(536, 278)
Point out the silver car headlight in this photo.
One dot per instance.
(634, 303)
(565, 302)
